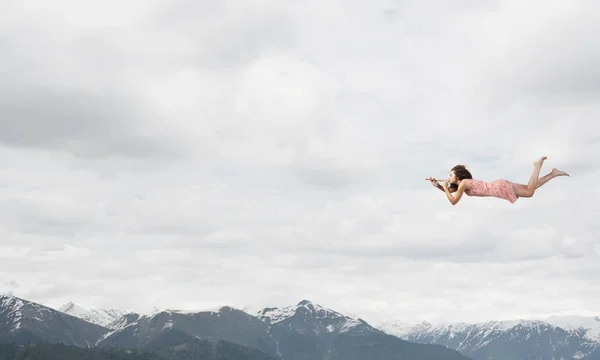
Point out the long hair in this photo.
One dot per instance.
(461, 173)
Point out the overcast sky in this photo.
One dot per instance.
(190, 154)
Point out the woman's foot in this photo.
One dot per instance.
(540, 161)
(556, 172)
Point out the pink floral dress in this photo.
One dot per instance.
(502, 189)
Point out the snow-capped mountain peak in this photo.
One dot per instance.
(10, 308)
(321, 318)
(102, 317)
(10, 302)
(276, 315)
(15, 308)
(72, 309)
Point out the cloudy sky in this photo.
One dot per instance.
(190, 154)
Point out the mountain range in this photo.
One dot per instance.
(568, 337)
(301, 331)
(304, 331)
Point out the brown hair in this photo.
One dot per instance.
(461, 173)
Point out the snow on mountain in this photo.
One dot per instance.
(103, 317)
(10, 309)
(133, 319)
(332, 320)
(23, 321)
(10, 303)
(591, 325)
(402, 329)
(552, 338)
(16, 309)
(276, 315)
(472, 336)
(574, 324)
(124, 321)
(223, 323)
(252, 308)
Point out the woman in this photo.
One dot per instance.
(461, 181)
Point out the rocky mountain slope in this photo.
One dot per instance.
(24, 322)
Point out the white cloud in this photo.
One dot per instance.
(186, 154)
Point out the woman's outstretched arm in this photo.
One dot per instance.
(459, 192)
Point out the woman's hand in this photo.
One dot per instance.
(445, 185)
(434, 182)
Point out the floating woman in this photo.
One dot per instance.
(461, 181)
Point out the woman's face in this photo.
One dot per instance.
(452, 179)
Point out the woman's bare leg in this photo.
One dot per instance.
(531, 186)
(527, 191)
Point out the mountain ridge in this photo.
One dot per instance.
(23, 321)
(542, 339)
(306, 330)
